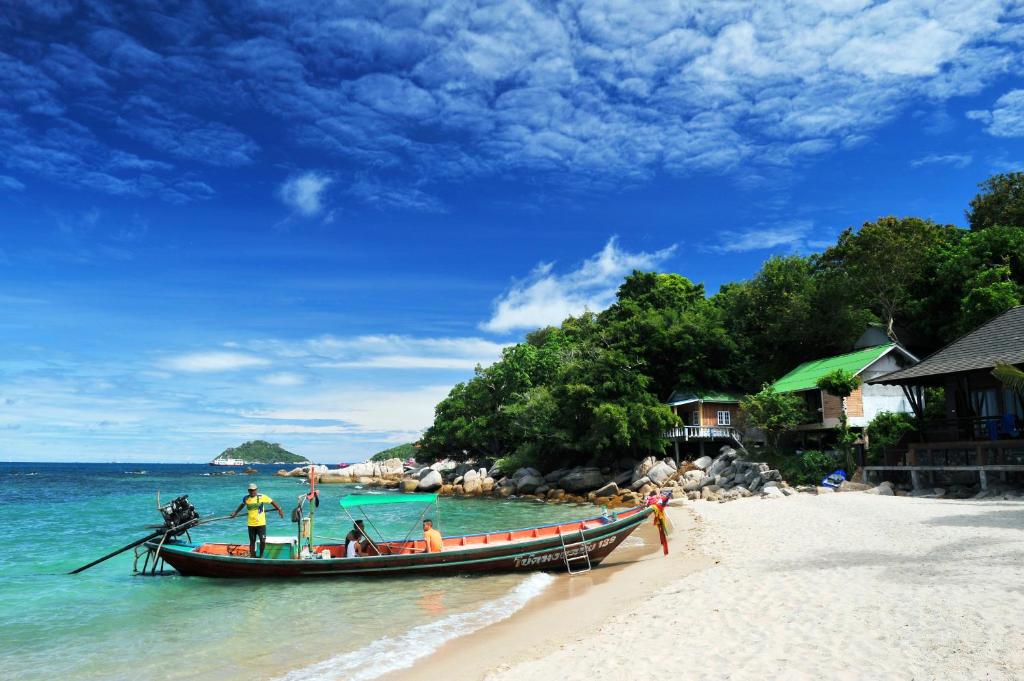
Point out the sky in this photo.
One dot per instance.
(305, 221)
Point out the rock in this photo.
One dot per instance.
(457, 490)
(983, 494)
(609, 490)
(528, 483)
(848, 486)
(788, 491)
(542, 490)
(772, 493)
(670, 462)
(696, 475)
(703, 462)
(693, 496)
(640, 483)
(471, 474)
(495, 472)
(884, 490)
(582, 480)
(443, 466)
(526, 472)
(623, 479)
(487, 484)
(640, 470)
(692, 486)
(719, 465)
(708, 495)
(647, 490)
(660, 472)
(472, 485)
(430, 482)
(556, 494)
(458, 480)
(556, 475)
(823, 490)
(409, 485)
(727, 452)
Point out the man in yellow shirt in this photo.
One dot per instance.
(432, 537)
(254, 504)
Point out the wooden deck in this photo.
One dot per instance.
(980, 456)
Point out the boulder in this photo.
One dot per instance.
(528, 483)
(457, 490)
(820, 489)
(609, 490)
(555, 494)
(556, 475)
(471, 474)
(647, 490)
(623, 478)
(458, 480)
(487, 484)
(640, 483)
(695, 475)
(542, 490)
(409, 485)
(660, 472)
(525, 472)
(702, 463)
(670, 462)
(884, 490)
(443, 466)
(495, 472)
(848, 486)
(640, 470)
(772, 493)
(430, 482)
(582, 480)
(472, 485)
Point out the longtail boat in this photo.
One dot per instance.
(569, 546)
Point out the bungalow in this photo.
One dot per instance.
(984, 420)
(706, 416)
(864, 403)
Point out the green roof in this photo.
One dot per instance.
(682, 396)
(805, 376)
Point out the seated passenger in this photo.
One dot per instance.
(432, 537)
(368, 547)
(352, 545)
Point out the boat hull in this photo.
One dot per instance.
(545, 553)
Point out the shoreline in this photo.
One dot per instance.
(571, 607)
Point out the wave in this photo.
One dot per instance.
(392, 653)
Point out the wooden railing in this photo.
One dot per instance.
(703, 433)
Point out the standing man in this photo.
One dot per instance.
(432, 537)
(253, 503)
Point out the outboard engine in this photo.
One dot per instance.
(179, 515)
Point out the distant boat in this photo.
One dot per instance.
(228, 462)
(570, 546)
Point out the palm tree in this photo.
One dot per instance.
(1011, 377)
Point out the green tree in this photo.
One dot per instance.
(786, 315)
(841, 383)
(885, 430)
(1000, 202)
(884, 262)
(773, 412)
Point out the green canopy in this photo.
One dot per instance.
(353, 500)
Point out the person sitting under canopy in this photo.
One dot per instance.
(432, 537)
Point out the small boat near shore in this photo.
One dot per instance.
(569, 546)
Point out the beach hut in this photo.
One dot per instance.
(863, 404)
(982, 430)
(705, 416)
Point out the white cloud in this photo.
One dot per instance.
(8, 182)
(545, 297)
(791, 235)
(1006, 119)
(383, 351)
(303, 192)
(212, 361)
(955, 160)
(283, 379)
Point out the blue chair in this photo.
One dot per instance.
(1009, 425)
(993, 429)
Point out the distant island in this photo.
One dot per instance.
(403, 452)
(257, 451)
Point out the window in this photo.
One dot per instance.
(724, 418)
(695, 418)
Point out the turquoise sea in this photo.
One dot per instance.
(108, 624)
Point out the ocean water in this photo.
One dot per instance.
(106, 623)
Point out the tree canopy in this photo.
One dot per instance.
(593, 388)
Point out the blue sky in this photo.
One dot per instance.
(305, 221)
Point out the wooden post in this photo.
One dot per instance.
(983, 479)
(915, 479)
(676, 443)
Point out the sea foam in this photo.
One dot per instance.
(399, 652)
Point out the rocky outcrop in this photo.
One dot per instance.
(391, 469)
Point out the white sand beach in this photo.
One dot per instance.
(842, 586)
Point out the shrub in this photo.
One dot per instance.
(808, 467)
(885, 430)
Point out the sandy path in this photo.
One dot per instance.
(845, 586)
